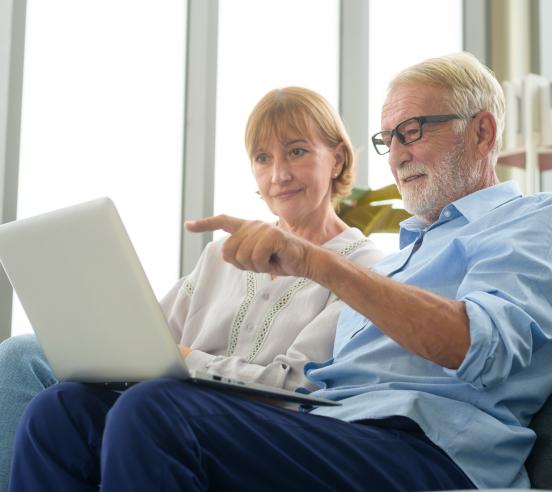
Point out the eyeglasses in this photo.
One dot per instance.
(408, 131)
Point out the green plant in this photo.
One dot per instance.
(373, 210)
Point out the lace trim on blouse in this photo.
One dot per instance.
(250, 289)
(279, 305)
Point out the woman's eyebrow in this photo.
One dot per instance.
(296, 141)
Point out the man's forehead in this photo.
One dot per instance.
(410, 100)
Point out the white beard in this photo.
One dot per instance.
(452, 178)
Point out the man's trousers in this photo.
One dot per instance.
(166, 435)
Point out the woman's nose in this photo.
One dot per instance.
(280, 171)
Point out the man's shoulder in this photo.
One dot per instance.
(513, 222)
(520, 228)
(530, 207)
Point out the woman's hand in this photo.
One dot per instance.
(184, 351)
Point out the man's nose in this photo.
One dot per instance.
(398, 153)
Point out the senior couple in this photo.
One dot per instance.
(439, 354)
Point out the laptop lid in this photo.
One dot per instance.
(91, 305)
(86, 295)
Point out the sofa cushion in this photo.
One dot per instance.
(539, 462)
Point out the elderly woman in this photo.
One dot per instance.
(226, 321)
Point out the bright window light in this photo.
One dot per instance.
(102, 115)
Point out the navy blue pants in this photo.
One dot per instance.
(167, 435)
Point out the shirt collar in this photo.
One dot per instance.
(481, 202)
(472, 207)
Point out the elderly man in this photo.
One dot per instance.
(439, 362)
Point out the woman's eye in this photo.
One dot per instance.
(297, 152)
(261, 158)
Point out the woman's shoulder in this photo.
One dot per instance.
(349, 240)
(353, 244)
(214, 247)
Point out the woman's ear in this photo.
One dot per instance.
(484, 125)
(339, 156)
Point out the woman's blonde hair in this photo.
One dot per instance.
(305, 112)
(472, 87)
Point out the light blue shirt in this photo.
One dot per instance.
(493, 251)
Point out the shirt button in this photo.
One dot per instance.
(265, 296)
(447, 213)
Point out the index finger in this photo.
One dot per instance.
(225, 222)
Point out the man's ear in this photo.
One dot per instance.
(484, 133)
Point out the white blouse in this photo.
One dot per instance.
(248, 326)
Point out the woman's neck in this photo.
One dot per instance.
(317, 230)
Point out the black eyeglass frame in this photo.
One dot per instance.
(422, 120)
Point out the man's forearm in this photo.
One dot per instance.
(431, 326)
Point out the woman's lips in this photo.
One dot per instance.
(284, 195)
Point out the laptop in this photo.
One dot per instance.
(91, 305)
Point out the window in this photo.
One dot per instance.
(103, 99)
(422, 30)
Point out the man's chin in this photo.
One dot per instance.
(416, 207)
(412, 203)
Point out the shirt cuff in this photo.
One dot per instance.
(483, 341)
(199, 361)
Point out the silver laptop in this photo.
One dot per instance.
(93, 310)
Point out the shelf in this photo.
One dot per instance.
(517, 158)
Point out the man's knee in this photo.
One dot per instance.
(143, 402)
(50, 407)
(154, 404)
(141, 412)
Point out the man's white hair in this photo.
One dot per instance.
(472, 87)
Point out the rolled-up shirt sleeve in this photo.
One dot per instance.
(509, 324)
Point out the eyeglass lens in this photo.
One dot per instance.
(409, 131)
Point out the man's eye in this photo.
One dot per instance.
(409, 129)
(297, 152)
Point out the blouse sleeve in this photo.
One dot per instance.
(176, 303)
(313, 343)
